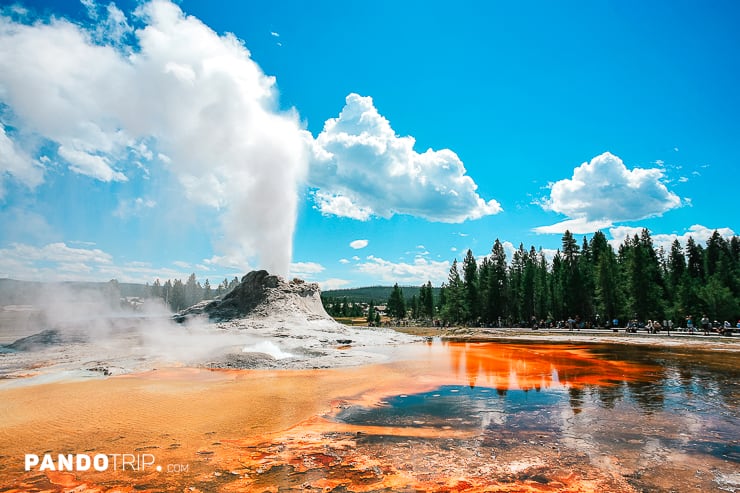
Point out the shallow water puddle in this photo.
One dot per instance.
(452, 417)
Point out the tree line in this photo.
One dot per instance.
(590, 282)
(178, 295)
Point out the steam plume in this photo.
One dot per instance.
(173, 94)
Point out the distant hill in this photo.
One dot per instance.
(14, 292)
(379, 294)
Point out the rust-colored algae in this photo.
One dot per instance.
(348, 429)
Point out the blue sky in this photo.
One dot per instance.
(144, 140)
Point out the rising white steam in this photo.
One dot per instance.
(111, 100)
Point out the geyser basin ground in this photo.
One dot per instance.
(440, 417)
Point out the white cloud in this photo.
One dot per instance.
(604, 191)
(420, 271)
(128, 208)
(196, 97)
(61, 262)
(699, 233)
(682, 179)
(344, 261)
(305, 269)
(16, 163)
(275, 34)
(341, 206)
(361, 168)
(355, 258)
(509, 249)
(578, 225)
(332, 283)
(23, 261)
(357, 244)
(549, 253)
(233, 263)
(90, 165)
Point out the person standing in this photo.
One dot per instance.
(705, 324)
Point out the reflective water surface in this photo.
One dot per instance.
(467, 417)
(521, 417)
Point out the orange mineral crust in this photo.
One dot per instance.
(441, 417)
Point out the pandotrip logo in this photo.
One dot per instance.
(98, 462)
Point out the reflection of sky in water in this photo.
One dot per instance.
(605, 398)
(455, 406)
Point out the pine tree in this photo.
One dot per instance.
(586, 276)
(718, 300)
(167, 292)
(572, 284)
(207, 292)
(607, 302)
(714, 252)
(177, 296)
(442, 302)
(414, 307)
(455, 310)
(516, 285)
(192, 291)
(541, 297)
(156, 289)
(644, 279)
(676, 272)
(557, 287)
(371, 313)
(497, 285)
(426, 301)
(396, 304)
(470, 286)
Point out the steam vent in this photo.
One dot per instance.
(261, 294)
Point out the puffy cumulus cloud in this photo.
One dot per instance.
(179, 90)
(603, 191)
(699, 233)
(357, 244)
(333, 283)
(420, 271)
(341, 206)
(305, 269)
(361, 168)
